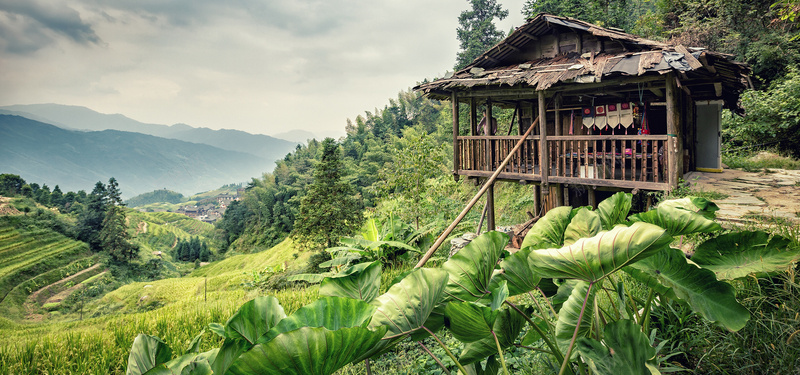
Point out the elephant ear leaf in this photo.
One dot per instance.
(361, 281)
(472, 267)
(548, 232)
(254, 319)
(569, 314)
(469, 321)
(681, 216)
(307, 350)
(614, 210)
(329, 312)
(507, 326)
(592, 259)
(585, 223)
(626, 351)
(702, 206)
(516, 271)
(147, 352)
(739, 254)
(669, 273)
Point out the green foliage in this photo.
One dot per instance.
(156, 196)
(476, 32)
(329, 209)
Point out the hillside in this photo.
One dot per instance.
(82, 118)
(76, 160)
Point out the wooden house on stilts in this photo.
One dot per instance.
(594, 109)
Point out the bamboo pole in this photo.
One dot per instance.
(475, 199)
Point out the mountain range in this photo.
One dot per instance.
(74, 147)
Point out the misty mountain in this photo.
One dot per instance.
(82, 118)
(75, 160)
(297, 135)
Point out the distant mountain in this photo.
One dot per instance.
(75, 160)
(299, 136)
(82, 118)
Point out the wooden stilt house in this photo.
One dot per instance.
(593, 109)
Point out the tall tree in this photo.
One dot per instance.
(330, 208)
(114, 233)
(476, 31)
(91, 220)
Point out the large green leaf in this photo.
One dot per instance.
(614, 210)
(592, 259)
(739, 254)
(254, 318)
(507, 327)
(230, 350)
(329, 312)
(669, 273)
(307, 351)
(585, 223)
(475, 368)
(469, 321)
(548, 232)
(626, 350)
(406, 305)
(570, 313)
(147, 352)
(516, 270)
(190, 363)
(361, 281)
(471, 268)
(681, 216)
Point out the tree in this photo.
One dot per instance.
(329, 209)
(91, 220)
(476, 31)
(114, 233)
(11, 184)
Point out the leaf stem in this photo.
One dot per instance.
(577, 327)
(446, 350)
(646, 319)
(500, 351)
(549, 344)
(434, 357)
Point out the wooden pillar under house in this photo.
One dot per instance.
(544, 162)
(490, 223)
(675, 142)
(473, 117)
(456, 159)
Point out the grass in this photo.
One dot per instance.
(762, 161)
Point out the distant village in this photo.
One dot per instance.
(211, 209)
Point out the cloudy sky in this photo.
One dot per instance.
(262, 66)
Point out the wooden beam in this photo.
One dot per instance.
(490, 224)
(456, 160)
(674, 154)
(530, 36)
(718, 89)
(473, 116)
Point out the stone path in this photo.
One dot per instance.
(774, 192)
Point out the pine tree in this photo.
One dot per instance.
(91, 220)
(114, 233)
(330, 208)
(476, 31)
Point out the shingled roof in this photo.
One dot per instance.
(515, 61)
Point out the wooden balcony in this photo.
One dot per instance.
(616, 161)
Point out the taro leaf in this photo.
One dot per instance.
(507, 327)
(217, 328)
(197, 368)
(340, 260)
(499, 295)
(469, 321)
(627, 350)
(471, 268)
(702, 206)
(592, 259)
(533, 335)
(585, 223)
(407, 305)
(190, 363)
(569, 314)
(679, 217)
(739, 254)
(312, 278)
(194, 346)
(434, 323)
(614, 210)
(516, 271)
(361, 281)
(329, 312)
(669, 273)
(231, 350)
(308, 351)
(254, 319)
(147, 352)
(548, 232)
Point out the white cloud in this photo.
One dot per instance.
(259, 66)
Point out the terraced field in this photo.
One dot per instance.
(160, 231)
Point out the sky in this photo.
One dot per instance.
(261, 66)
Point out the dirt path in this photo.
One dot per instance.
(774, 193)
(6, 208)
(66, 292)
(30, 304)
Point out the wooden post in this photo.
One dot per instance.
(473, 117)
(456, 160)
(488, 127)
(592, 198)
(537, 199)
(544, 156)
(490, 224)
(674, 149)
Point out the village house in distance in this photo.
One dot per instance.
(596, 110)
(209, 212)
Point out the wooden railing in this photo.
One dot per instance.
(623, 161)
